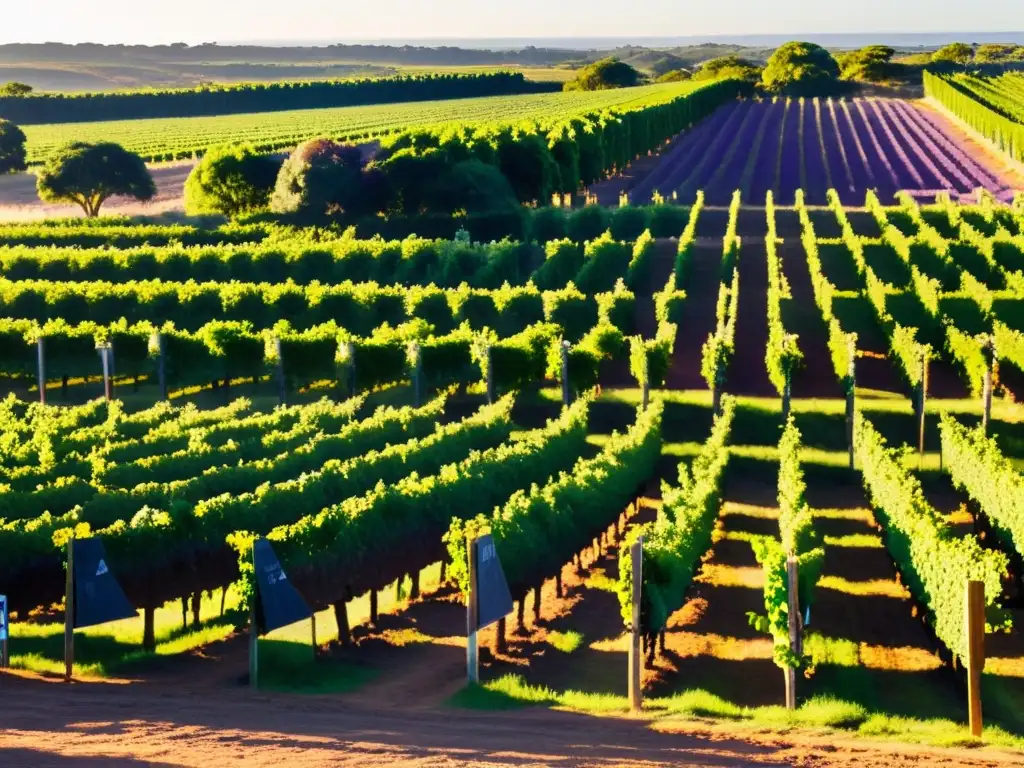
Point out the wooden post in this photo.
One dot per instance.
(472, 615)
(254, 636)
(161, 366)
(499, 637)
(341, 618)
(69, 614)
(373, 607)
(490, 377)
(41, 367)
(795, 644)
(851, 398)
(716, 398)
(787, 389)
(924, 402)
(975, 620)
(989, 351)
(417, 374)
(635, 660)
(108, 390)
(566, 388)
(312, 631)
(279, 370)
(646, 391)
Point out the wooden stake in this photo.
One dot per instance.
(566, 389)
(161, 366)
(417, 374)
(373, 607)
(851, 399)
(986, 415)
(69, 613)
(635, 692)
(312, 632)
(499, 636)
(41, 368)
(341, 617)
(923, 403)
(279, 370)
(975, 620)
(794, 629)
(105, 355)
(490, 377)
(472, 615)
(787, 396)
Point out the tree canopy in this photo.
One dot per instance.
(954, 53)
(800, 69)
(15, 89)
(675, 76)
(728, 66)
(12, 148)
(872, 63)
(605, 74)
(90, 174)
(324, 177)
(231, 180)
(995, 53)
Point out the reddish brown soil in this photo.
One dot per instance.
(748, 373)
(698, 317)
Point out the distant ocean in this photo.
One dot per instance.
(832, 40)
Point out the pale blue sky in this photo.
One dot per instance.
(194, 21)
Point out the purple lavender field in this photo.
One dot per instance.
(782, 145)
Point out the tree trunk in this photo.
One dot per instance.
(520, 615)
(444, 572)
(196, 605)
(184, 613)
(64, 387)
(536, 603)
(223, 597)
(558, 583)
(341, 617)
(500, 646)
(373, 607)
(149, 629)
(414, 589)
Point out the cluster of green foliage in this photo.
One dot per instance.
(539, 529)
(604, 74)
(90, 174)
(872, 64)
(12, 148)
(800, 69)
(800, 541)
(782, 355)
(717, 351)
(933, 561)
(350, 547)
(977, 465)
(984, 106)
(674, 545)
(731, 66)
(231, 180)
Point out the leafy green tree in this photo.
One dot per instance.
(731, 66)
(675, 76)
(231, 180)
(12, 148)
(605, 74)
(527, 163)
(474, 187)
(90, 174)
(324, 177)
(872, 63)
(954, 53)
(800, 69)
(997, 53)
(15, 89)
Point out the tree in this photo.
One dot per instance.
(231, 180)
(474, 187)
(997, 53)
(324, 177)
(800, 69)
(12, 148)
(872, 64)
(605, 74)
(723, 67)
(15, 89)
(954, 53)
(90, 174)
(675, 76)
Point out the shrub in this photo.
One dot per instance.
(230, 180)
(12, 148)
(800, 68)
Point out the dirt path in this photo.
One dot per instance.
(698, 321)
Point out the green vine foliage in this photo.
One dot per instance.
(934, 562)
(976, 465)
(674, 545)
(539, 529)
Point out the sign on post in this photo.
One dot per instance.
(5, 658)
(489, 598)
(275, 604)
(93, 594)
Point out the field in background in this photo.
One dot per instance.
(174, 138)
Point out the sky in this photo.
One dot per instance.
(196, 21)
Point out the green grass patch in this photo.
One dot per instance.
(566, 642)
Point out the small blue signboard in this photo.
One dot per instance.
(278, 603)
(98, 596)
(3, 618)
(494, 601)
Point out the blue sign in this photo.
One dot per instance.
(493, 599)
(278, 603)
(3, 618)
(98, 596)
